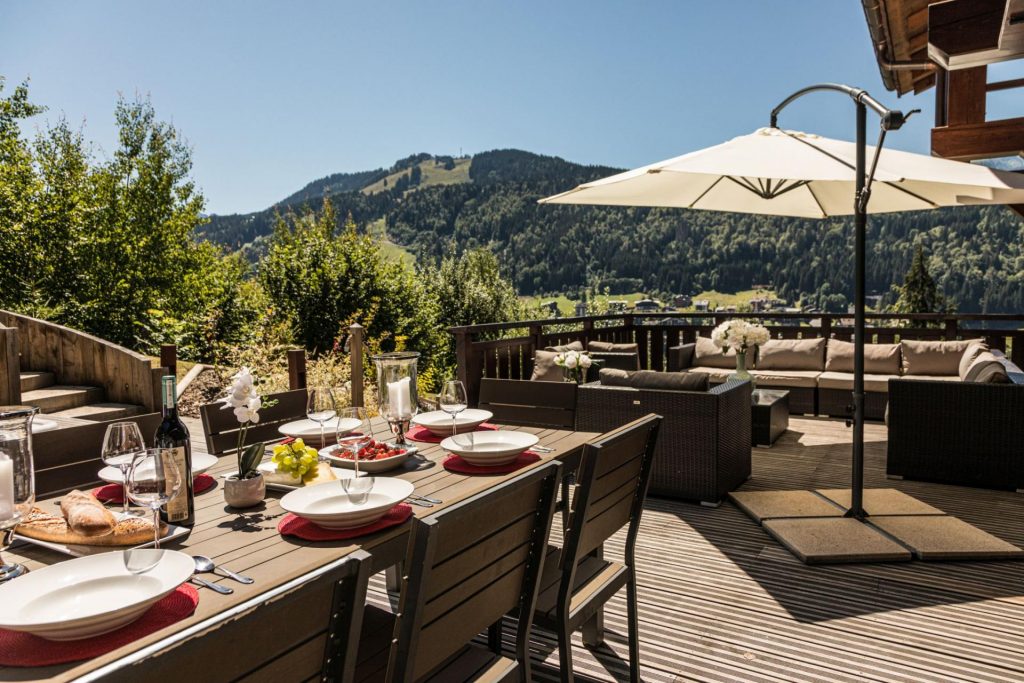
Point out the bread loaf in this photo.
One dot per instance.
(44, 526)
(85, 515)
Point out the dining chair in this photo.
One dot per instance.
(221, 428)
(611, 487)
(529, 403)
(472, 563)
(306, 629)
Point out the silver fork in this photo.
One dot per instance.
(542, 449)
(425, 499)
(419, 503)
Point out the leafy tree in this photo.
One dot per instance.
(919, 293)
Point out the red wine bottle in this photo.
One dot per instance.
(172, 438)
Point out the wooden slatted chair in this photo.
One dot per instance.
(221, 427)
(611, 487)
(473, 563)
(529, 403)
(307, 629)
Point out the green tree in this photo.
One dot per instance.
(919, 293)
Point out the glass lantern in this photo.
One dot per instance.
(17, 477)
(396, 390)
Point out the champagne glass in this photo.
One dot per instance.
(121, 443)
(453, 400)
(320, 407)
(358, 437)
(154, 480)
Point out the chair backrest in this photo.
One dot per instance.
(530, 403)
(611, 486)
(221, 427)
(470, 564)
(69, 457)
(305, 629)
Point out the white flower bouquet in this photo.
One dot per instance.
(739, 336)
(574, 364)
(246, 403)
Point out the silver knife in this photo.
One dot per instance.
(223, 590)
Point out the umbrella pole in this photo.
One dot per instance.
(860, 228)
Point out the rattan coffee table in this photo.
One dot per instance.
(769, 415)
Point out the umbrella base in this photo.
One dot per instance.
(810, 524)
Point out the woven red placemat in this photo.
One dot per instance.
(455, 463)
(24, 649)
(114, 493)
(292, 525)
(424, 435)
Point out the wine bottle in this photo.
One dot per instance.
(172, 438)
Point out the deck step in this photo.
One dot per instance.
(99, 412)
(61, 397)
(30, 381)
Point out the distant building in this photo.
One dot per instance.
(682, 301)
(552, 308)
(617, 306)
(701, 305)
(647, 306)
(581, 309)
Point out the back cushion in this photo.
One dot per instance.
(544, 368)
(609, 346)
(562, 348)
(986, 368)
(973, 350)
(791, 354)
(933, 357)
(709, 355)
(879, 359)
(652, 379)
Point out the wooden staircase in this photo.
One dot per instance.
(40, 389)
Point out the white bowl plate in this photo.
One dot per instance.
(307, 430)
(330, 507)
(200, 463)
(490, 448)
(88, 596)
(369, 466)
(440, 422)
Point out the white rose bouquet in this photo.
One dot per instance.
(246, 403)
(574, 364)
(740, 336)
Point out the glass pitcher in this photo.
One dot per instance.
(396, 390)
(17, 477)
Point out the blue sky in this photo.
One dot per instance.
(272, 95)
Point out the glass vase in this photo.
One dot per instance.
(741, 369)
(396, 390)
(17, 477)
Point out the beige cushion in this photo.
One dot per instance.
(786, 378)
(562, 348)
(609, 346)
(715, 375)
(933, 378)
(706, 353)
(973, 350)
(792, 354)
(879, 359)
(651, 379)
(544, 368)
(935, 358)
(874, 383)
(987, 369)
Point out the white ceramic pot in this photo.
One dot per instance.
(244, 493)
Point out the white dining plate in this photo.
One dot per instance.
(331, 508)
(489, 448)
(369, 466)
(309, 430)
(88, 596)
(440, 422)
(200, 463)
(41, 424)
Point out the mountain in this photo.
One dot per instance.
(431, 206)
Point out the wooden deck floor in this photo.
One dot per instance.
(722, 601)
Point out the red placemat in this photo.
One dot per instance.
(424, 435)
(25, 649)
(455, 463)
(292, 525)
(114, 493)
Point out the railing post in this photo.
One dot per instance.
(468, 364)
(10, 367)
(826, 326)
(296, 369)
(952, 329)
(355, 351)
(169, 358)
(588, 327)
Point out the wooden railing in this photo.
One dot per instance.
(75, 357)
(505, 350)
(10, 369)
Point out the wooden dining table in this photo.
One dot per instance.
(247, 541)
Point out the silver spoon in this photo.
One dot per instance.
(205, 564)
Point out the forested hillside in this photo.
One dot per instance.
(975, 253)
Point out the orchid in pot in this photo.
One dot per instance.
(740, 336)
(574, 364)
(246, 488)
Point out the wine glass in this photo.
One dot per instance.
(153, 481)
(359, 435)
(320, 407)
(121, 443)
(141, 560)
(453, 400)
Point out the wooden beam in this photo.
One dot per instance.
(985, 140)
(965, 96)
(1005, 85)
(941, 80)
(958, 27)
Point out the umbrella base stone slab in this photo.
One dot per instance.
(835, 540)
(763, 505)
(945, 538)
(882, 502)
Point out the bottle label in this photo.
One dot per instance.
(177, 507)
(169, 391)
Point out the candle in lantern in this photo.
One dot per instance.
(6, 489)
(400, 399)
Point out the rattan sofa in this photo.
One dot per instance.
(703, 449)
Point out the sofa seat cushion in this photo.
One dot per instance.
(874, 383)
(715, 375)
(879, 359)
(807, 379)
(708, 354)
(792, 354)
(651, 379)
(937, 358)
(609, 346)
(933, 378)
